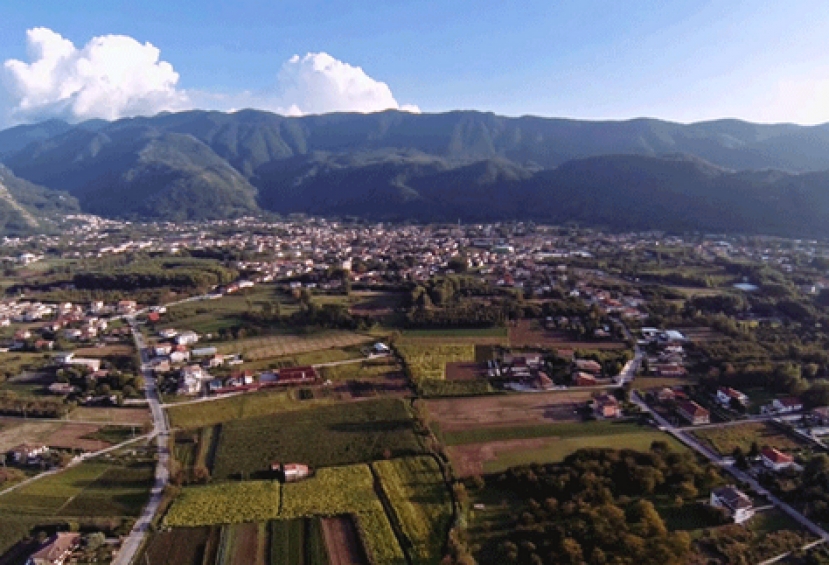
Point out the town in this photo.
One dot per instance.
(238, 391)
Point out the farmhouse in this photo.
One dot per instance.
(56, 550)
(734, 501)
(725, 396)
(606, 406)
(775, 459)
(693, 413)
(291, 472)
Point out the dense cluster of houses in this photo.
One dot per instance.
(667, 354)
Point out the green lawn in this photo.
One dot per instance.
(725, 439)
(557, 449)
(567, 430)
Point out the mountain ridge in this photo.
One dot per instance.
(725, 175)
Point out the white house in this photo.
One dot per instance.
(187, 338)
(786, 405)
(734, 501)
(726, 394)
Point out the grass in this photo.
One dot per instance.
(282, 345)
(559, 449)
(16, 362)
(335, 434)
(370, 368)
(725, 439)
(772, 520)
(421, 504)
(89, 489)
(566, 430)
(450, 333)
(202, 414)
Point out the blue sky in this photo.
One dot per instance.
(679, 60)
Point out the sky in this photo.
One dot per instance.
(683, 60)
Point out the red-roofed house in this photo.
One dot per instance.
(693, 412)
(775, 459)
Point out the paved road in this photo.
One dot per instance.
(740, 475)
(161, 429)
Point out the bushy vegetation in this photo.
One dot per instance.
(154, 273)
(12, 404)
(594, 507)
(335, 434)
(232, 503)
(421, 504)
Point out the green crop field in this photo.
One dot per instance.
(464, 332)
(331, 491)
(428, 361)
(421, 504)
(335, 434)
(250, 405)
(297, 541)
(47, 496)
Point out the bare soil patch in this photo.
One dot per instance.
(268, 347)
(468, 460)
(462, 371)
(342, 541)
(701, 335)
(455, 414)
(64, 435)
(530, 333)
(246, 546)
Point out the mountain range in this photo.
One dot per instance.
(724, 176)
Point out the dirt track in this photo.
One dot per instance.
(342, 541)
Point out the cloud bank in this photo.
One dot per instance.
(115, 76)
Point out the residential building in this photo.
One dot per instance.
(734, 501)
(786, 405)
(775, 459)
(725, 395)
(606, 406)
(693, 413)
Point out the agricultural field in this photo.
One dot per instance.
(724, 439)
(334, 434)
(200, 414)
(61, 435)
(343, 541)
(282, 345)
(530, 333)
(179, 546)
(492, 450)
(119, 416)
(331, 491)
(473, 336)
(297, 541)
(459, 414)
(14, 363)
(428, 361)
(421, 504)
(89, 489)
(116, 350)
(211, 316)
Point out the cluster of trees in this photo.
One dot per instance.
(593, 507)
(120, 383)
(155, 273)
(736, 544)
(11, 404)
(807, 490)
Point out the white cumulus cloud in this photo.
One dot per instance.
(110, 77)
(115, 76)
(319, 83)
